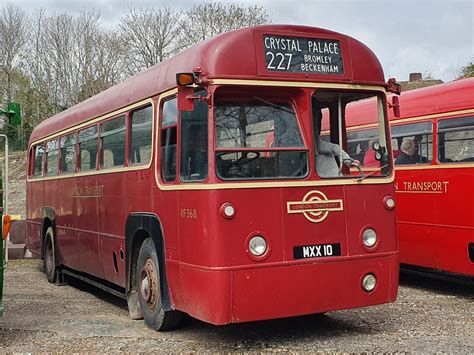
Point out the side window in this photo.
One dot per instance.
(140, 135)
(194, 128)
(412, 143)
(38, 161)
(52, 158)
(168, 139)
(88, 146)
(68, 154)
(456, 140)
(112, 148)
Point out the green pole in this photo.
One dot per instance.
(1, 246)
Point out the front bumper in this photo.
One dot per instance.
(230, 295)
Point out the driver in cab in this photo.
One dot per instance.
(326, 152)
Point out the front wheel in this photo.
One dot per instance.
(49, 261)
(148, 278)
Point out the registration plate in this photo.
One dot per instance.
(316, 251)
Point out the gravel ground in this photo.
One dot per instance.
(430, 316)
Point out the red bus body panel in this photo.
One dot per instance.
(435, 229)
(435, 226)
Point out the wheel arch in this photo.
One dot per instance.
(138, 227)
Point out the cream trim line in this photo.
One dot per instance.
(133, 167)
(436, 115)
(91, 173)
(302, 84)
(413, 119)
(276, 184)
(440, 166)
(280, 183)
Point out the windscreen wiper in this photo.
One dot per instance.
(365, 176)
(282, 108)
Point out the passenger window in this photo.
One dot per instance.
(168, 140)
(88, 146)
(52, 158)
(68, 154)
(456, 140)
(140, 135)
(112, 148)
(412, 143)
(38, 162)
(193, 160)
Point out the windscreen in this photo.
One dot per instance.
(258, 138)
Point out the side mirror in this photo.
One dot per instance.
(185, 91)
(394, 86)
(185, 98)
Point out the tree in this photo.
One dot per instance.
(207, 20)
(13, 37)
(467, 71)
(149, 35)
(71, 58)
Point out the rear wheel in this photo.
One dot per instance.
(49, 261)
(149, 296)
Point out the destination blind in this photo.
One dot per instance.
(302, 55)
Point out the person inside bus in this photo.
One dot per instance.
(409, 153)
(326, 152)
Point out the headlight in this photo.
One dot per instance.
(369, 237)
(257, 246)
(369, 282)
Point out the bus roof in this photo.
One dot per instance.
(237, 54)
(453, 96)
(449, 97)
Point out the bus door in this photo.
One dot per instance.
(184, 158)
(416, 199)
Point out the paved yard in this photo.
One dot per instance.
(429, 316)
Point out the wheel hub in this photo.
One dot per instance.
(149, 284)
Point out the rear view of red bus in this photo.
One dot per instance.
(218, 183)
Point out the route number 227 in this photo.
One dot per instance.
(283, 61)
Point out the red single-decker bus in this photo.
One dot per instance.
(203, 185)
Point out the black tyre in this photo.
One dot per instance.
(49, 261)
(149, 296)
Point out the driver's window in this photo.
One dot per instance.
(341, 148)
(168, 139)
(193, 155)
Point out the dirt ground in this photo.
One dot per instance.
(430, 316)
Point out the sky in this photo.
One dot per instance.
(433, 37)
